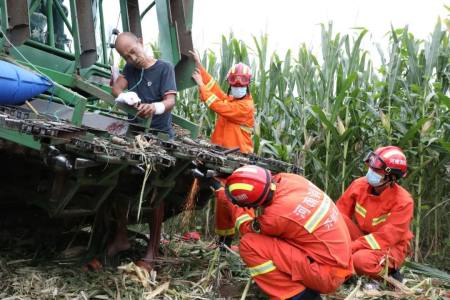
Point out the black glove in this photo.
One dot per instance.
(225, 240)
(215, 184)
(256, 227)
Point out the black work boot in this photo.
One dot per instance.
(225, 240)
(307, 294)
(397, 275)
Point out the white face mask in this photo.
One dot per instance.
(238, 92)
(374, 178)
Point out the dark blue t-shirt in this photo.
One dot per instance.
(157, 81)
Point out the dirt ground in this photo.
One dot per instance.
(37, 265)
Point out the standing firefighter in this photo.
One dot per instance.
(299, 246)
(235, 110)
(234, 126)
(382, 212)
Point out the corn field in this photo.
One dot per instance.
(325, 112)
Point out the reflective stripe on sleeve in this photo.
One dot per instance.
(210, 84)
(241, 220)
(318, 215)
(370, 239)
(211, 100)
(380, 219)
(360, 210)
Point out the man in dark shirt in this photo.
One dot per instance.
(152, 80)
(151, 83)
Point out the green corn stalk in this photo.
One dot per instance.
(326, 111)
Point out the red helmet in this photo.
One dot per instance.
(239, 75)
(390, 160)
(250, 186)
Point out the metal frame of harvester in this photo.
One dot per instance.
(71, 73)
(70, 162)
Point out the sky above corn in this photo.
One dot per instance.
(289, 23)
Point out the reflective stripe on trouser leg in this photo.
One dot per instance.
(225, 232)
(275, 280)
(294, 270)
(263, 268)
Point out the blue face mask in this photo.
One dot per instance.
(238, 92)
(374, 178)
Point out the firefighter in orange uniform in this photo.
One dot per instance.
(378, 213)
(234, 125)
(235, 110)
(299, 246)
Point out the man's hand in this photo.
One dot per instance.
(119, 85)
(196, 58)
(196, 74)
(197, 77)
(145, 110)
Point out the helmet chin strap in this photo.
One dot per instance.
(390, 180)
(384, 183)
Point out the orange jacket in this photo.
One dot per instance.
(225, 214)
(305, 217)
(235, 122)
(384, 219)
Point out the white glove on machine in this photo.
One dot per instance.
(130, 98)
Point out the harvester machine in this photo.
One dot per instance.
(71, 151)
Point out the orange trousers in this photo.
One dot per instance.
(372, 262)
(282, 270)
